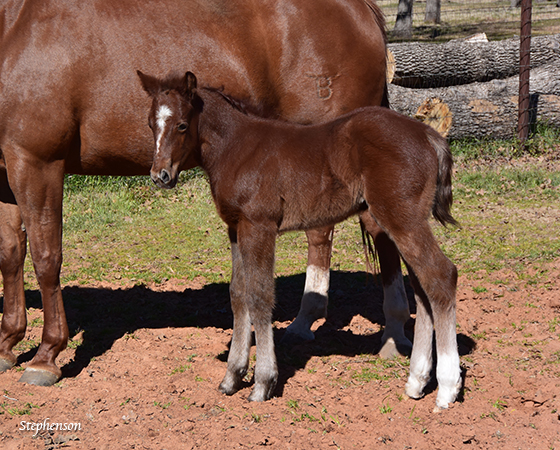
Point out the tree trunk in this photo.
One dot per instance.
(433, 11)
(488, 109)
(403, 25)
(421, 65)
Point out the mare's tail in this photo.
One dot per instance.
(369, 250)
(444, 194)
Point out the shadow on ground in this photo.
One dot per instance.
(106, 315)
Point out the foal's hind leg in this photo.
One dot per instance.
(395, 301)
(12, 254)
(435, 282)
(421, 358)
(238, 359)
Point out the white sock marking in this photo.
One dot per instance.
(317, 280)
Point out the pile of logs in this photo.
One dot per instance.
(470, 87)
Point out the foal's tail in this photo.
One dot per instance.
(444, 194)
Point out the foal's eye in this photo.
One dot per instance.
(182, 127)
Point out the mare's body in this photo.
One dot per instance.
(268, 176)
(70, 103)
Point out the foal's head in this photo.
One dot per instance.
(174, 122)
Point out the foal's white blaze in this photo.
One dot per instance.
(163, 113)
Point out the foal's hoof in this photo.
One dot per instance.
(230, 385)
(5, 365)
(261, 393)
(414, 388)
(38, 377)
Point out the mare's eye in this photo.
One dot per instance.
(182, 127)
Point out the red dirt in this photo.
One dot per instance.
(150, 358)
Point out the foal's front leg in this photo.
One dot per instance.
(256, 246)
(238, 359)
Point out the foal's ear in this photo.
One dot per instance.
(190, 85)
(150, 84)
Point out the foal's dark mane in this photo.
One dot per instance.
(176, 82)
(245, 106)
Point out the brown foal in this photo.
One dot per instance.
(269, 176)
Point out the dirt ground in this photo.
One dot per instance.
(144, 363)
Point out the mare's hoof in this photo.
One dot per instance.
(5, 365)
(291, 338)
(392, 349)
(38, 377)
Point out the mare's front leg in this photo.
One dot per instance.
(256, 245)
(395, 301)
(37, 186)
(238, 359)
(13, 244)
(315, 295)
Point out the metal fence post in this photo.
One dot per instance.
(524, 71)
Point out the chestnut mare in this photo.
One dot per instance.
(70, 102)
(270, 176)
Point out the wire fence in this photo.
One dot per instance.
(462, 18)
(462, 75)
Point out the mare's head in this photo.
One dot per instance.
(174, 123)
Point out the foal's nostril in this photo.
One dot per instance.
(164, 176)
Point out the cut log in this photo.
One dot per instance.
(486, 109)
(434, 112)
(421, 65)
(390, 66)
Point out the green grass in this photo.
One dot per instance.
(136, 232)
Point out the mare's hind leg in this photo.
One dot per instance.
(315, 295)
(256, 245)
(37, 186)
(12, 254)
(238, 359)
(395, 301)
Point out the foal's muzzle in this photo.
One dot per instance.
(164, 179)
